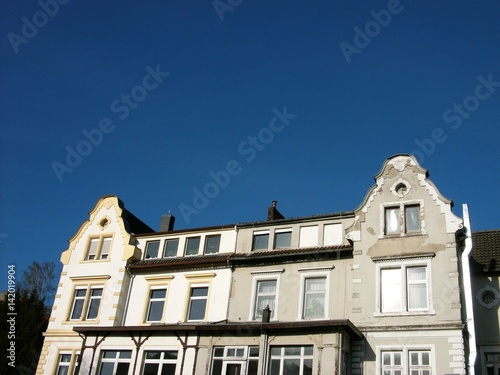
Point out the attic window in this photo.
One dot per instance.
(400, 188)
(104, 223)
(488, 297)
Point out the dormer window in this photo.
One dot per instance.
(152, 248)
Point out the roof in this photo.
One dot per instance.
(211, 260)
(486, 251)
(242, 329)
(255, 257)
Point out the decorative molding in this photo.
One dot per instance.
(268, 272)
(393, 258)
(314, 269)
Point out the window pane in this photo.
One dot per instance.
(199, 292)
(151, 369)
(414, 358)
(65, 358)
(417, 296)
(283, 240)
(412, 217)
(93, 308)
(253, 366)
(170, 354)
(168, 369)
(315, 284)
(391, 298)
(155, 311)
(192, 246)
(94, 242)
(292, 350)
(63, 370)
(218, 352)
(417, 273)
(171, 248)
(291, 367)
(122, 368)
(106, 244)
(197, 311)
(260, 241)
(275, 367)
(425, 359)
(391, 220)
(397, 359)
(314, 305)
(268, 286)
(307, 367)
(212, 244)
(217, 367)
(106, 368)
(153, 355)
(152, 249)
(126, 354)
(308, 350)
(78, 305)
(110, 354)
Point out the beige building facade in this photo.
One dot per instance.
(376, 290)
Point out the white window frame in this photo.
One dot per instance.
(282, 356)
(61, 364)
(191, 298)
(402, 218)
(260, 233)
(87, 299)
(98, 255)
(243, 360)
(263, 276)
(164, 249)
(115, 360)
(403, 265)
(162, 361)
(313, 274)
(151, 300)
(148, 243)
(279, 231)
(406, 350)
(187, 244)
(207, 238)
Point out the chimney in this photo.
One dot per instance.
(273, 213)
(167, 222)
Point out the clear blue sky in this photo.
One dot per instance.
(176, 88)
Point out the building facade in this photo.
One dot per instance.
(376, 290)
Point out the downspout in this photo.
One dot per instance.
(129, 292)
(341, 338)
(469, 312)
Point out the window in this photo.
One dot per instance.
(212, 244)
(152, 248)
(308, 236)
(159, 362)
(64, 364)
(235, 360)
(192, 246)
(296, 360)
(402, 219)
(314, 298)
(98, 248)
(332, 234)
(282, 239)
(404, 288)
(492, 361)
(170, 249)
(114, 362)
(86, 300)
(420, 363)
(402, 362)
(156, 304)
(392, 363)
(260, 240)
(197, 303)
(265, 295)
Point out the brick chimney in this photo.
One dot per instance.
(273, 213)
(167, 222)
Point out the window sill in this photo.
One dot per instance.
(82, 322)
(401, 235)
(404, 313)
(95, 260)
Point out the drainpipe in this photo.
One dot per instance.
(469, 312)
